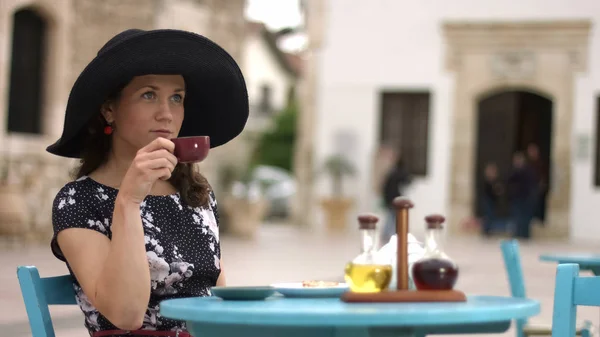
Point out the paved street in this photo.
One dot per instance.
(282, 254)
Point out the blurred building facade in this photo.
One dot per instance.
(270, 74)
(45, 44)
(452, 86)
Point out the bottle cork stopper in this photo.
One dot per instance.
(435, 221)
(367, 221)
(402, 203)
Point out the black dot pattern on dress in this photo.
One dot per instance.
(182, 245)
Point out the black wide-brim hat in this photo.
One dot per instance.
(216, 101)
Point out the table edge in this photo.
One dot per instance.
(529, 309)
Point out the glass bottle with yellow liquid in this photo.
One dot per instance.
(368, 272)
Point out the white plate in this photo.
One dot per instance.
(297, 290)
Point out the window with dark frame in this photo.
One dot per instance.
(597, 168)
(26, 76)
(266, 105)
(405, 126)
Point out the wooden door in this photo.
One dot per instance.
(535, 124)
(496, 136)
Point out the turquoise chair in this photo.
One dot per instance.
(38, 293)
(516, 280)
(571, 291)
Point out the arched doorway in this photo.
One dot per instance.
(26, 73)
(507, 122)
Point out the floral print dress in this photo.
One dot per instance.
(182, 245)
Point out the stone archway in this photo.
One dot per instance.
(509, 121)
(543, 56)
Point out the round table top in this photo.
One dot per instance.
(280, 311)
(578, 258)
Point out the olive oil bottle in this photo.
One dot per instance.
(368, 272)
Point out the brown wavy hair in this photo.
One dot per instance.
(191, 184)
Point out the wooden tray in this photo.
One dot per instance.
(397, 296)
(402, 293)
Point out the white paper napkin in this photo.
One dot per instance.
(389, 253)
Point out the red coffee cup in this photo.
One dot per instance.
(191, 149)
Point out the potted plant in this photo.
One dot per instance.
(337, 206)
(244, 205)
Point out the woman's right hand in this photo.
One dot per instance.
(152, 162)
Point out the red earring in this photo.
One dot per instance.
(108, 130)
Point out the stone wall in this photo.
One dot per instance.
(305, 204)
(78, 29)
(95, 22)
(227, 25)
(38, 178)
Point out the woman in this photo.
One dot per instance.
(136, 227)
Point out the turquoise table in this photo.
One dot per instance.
(590, 262)
(278, 316)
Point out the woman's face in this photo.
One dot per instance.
(150, 106)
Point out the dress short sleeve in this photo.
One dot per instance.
(77, 205)
(214, 207)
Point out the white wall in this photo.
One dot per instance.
(370, 45)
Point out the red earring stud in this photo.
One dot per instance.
(108, 130)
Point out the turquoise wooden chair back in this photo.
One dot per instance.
(571, 291)
(514, 271)
(516, 279)
(38, 293)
